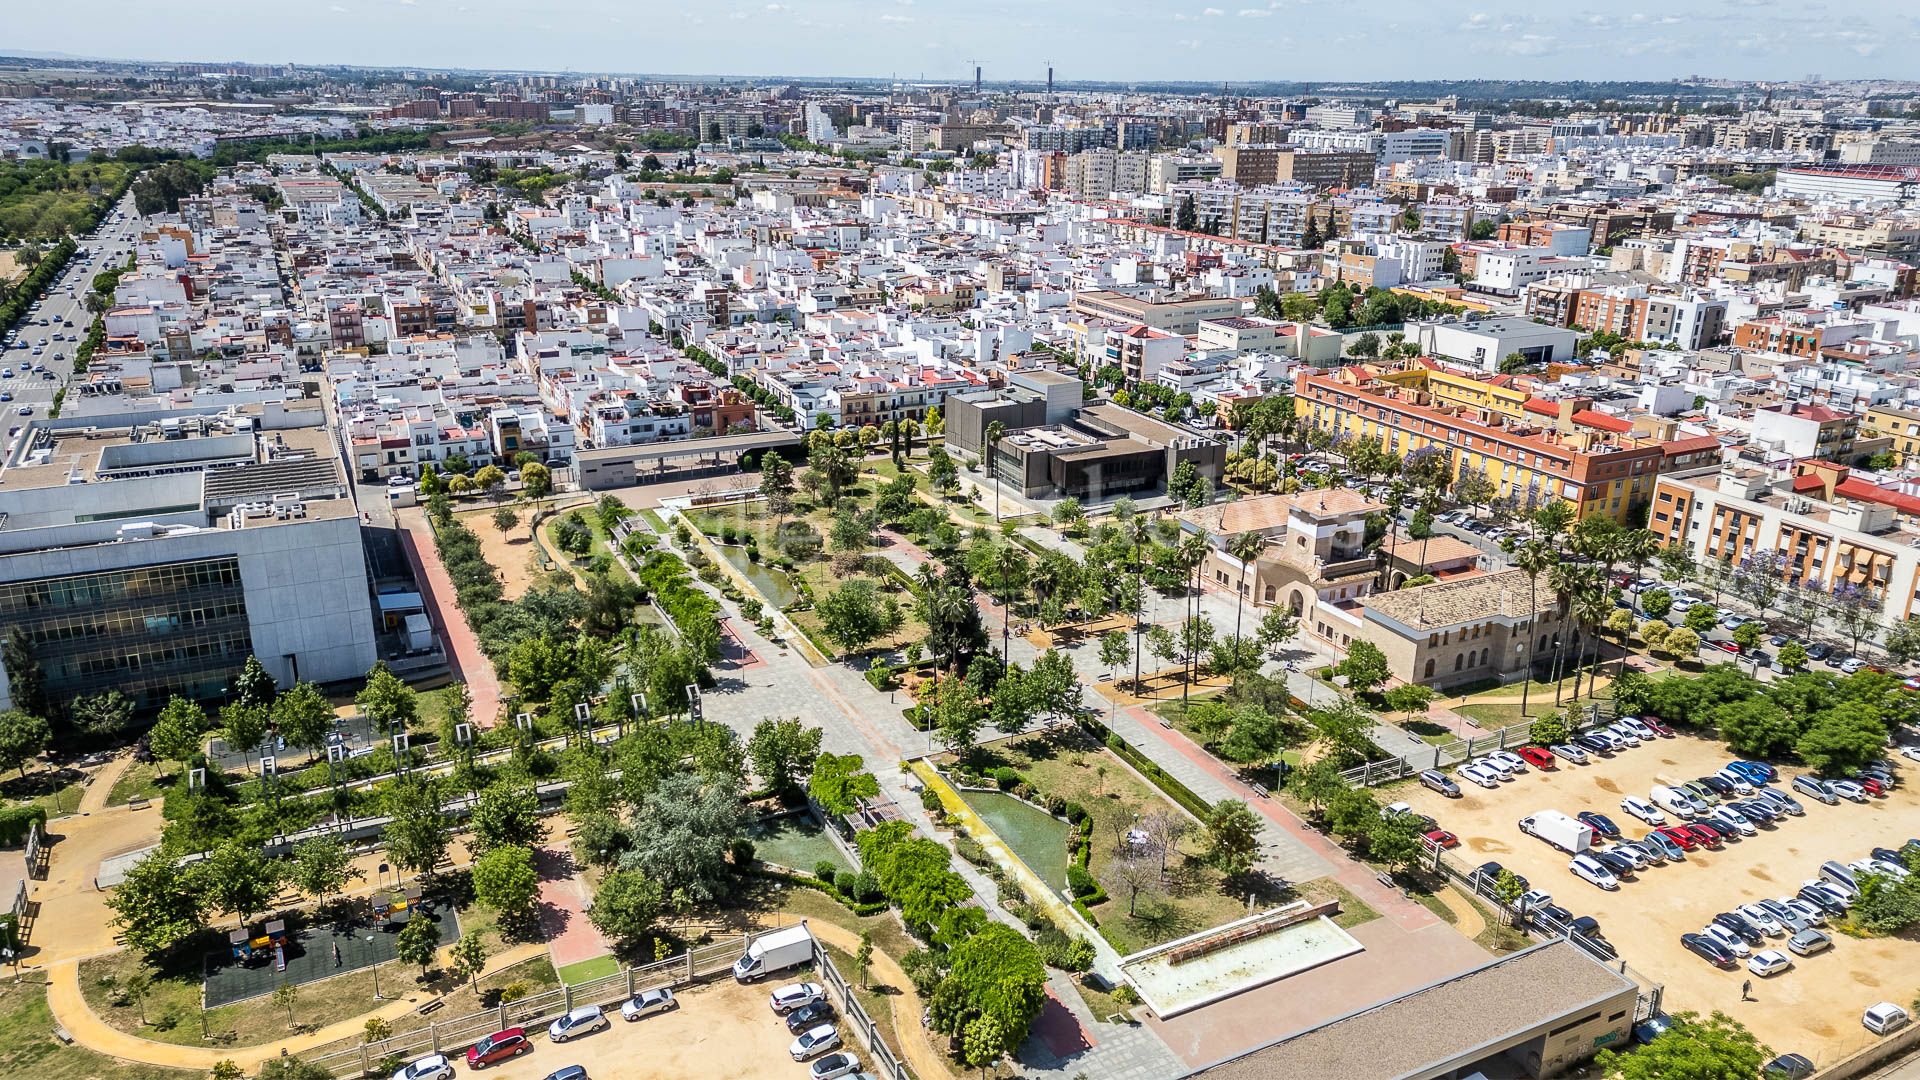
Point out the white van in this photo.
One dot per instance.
(1674, 801)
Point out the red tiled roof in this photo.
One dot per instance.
(1541, 406)
(1873, 493)
(1604, 422)
(1688, 446)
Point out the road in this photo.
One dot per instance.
(62, 310)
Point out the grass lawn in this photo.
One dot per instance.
(589, 970)
(876, 997)
(814, 573)
(28, 1047)
(1499, 716)
(144, 779)
(58, 790)
(1353, 910)
(1190, 898)
(579, 565)
(888, 937)
(172, 1007)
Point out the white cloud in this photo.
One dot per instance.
(776, 7)
(1213, 12)
(896, 18)
(1254, 13)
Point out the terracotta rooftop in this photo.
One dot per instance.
(1467, 600)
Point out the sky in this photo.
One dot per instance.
(1120, 40)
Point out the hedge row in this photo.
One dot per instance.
(15, 820)
(1173, 789)
(807, 881)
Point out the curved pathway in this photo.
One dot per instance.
(100, 784)
(72, 1013)
(927, 1063)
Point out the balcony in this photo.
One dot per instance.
(1341, 563)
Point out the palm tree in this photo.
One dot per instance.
(1590, 609)
(1007, 562)
(1137, 533)
(995, 432)
(1193, 553)
(1566, 580)
(1637, 547)
(1533, 559)
(1245, 547)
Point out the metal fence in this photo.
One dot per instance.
(1461, 751)
(885, 1064)
(456, 1033)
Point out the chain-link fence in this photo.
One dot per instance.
(1461, 751)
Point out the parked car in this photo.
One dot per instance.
(431, 1067)
(1835, 873)
(1590, 870)
(1756, 772)
(1638, 727)
(1443, 839)
(1435, 780)
(1506, 762)
(568, 1072)
(1726, 939)
(1621, 866)
(648, 1002)
(1768, 962)
(1659, 726)
(1848, 790)
(1758, 811)
(1599, 823)
(1816, 788)
(1704, 834)
(1740, 928)
(1678, 835)
(1701, 793)
(1489, 872)
(1575, 754)
(1668, 848)
(1622, 732)
(1787, 1067)
(1537, 757)
(1593, 744)
(1735, 777)
(1733, 819)
(1831, 904)
(1762, 919)
(1718, 785)
(1480, 774)
(1885, 1018)
(834, 1065)
(578, 1021)
(498, 1046)
(1709, 950)
(1852, 664)
(1813, 913)
(1640, 856)
(1776, 797)
(807, 1017)
(1675, 801)
(1819, 650)
(1643, 810)
(814, 1041)
(792, 996)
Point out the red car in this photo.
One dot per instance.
(1443, 838)
(1538, 758)
(1681, 835)
(1705, 835)
(1658, 727)
(498, 1046)
(1726, 646)
(1872, 786)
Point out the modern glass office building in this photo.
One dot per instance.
(149, 632)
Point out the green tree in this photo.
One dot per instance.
(505, 880)
(22, 737)
(1395, 840)
(321, 867)
(1365, 667)
(1317, 784)
(417, 834)
(304, 717)
(536, 482)
(419, 940)
(285, 996)
(1792, 656)
(1747, 636)
(239, 880)
(1682, 643)
(1232, 836)
(838, 780)
(682, 832)
(1410, 698)
(468, 958)
(176, 735)
(1114, 650)
(783, 753)
(863, 958)
(504, 519)
(1701, 618)
(995, 973)
(159, 904)
(385, 700)
(1843, 738)
(106, 714)
(627, 906)
(1548, 730)
(507, 814)
(857, 613)
(292, 1068)
(227, 1070)
(253, 686)
(1718, 1048)
(243, 726)
(1655, 603)
(1902, 640)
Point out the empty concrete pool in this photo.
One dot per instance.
(1226, 960)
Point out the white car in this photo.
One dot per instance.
(1482, 775)
(1761, 918)
(814, 1041)
(1590, 870)
(1534, 900)
(578, 1022)
(1624, 733)
(1884, 1018)
(1733, 819)
(1506, 762)
(1726, 939)
(1911, 753)
(1848, 790)
(834, 1065)
(1848, 666)
(646, 1003)
(1740, 783)
(1634, 725)
(1565, 752)
(1643, 810)
(431, 1067)
(1769, 962)
(1808, 911)
(792, 996)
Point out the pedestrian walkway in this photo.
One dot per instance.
(564, 897)
(72, 1014)
(100, 784)
(469, 664)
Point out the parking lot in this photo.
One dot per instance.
(721, 1029)
(1812, 1009)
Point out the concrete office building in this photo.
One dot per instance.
(153, 557)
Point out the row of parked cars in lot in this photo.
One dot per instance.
(809, 1019)
(513, 1042)
(1501, 766)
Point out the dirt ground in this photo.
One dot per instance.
(722, 1029)
(1812, 1009)
(512, 555)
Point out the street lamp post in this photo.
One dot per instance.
(376, 974)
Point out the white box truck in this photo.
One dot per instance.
(1558, 829)
(774, 952)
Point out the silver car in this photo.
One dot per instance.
(646, 1003)
(578, 1022)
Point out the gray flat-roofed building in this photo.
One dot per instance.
(1542, 1010)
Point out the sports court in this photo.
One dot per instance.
(308, 951)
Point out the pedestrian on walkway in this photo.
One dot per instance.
(1746, 990)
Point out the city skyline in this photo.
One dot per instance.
(1246, 40)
